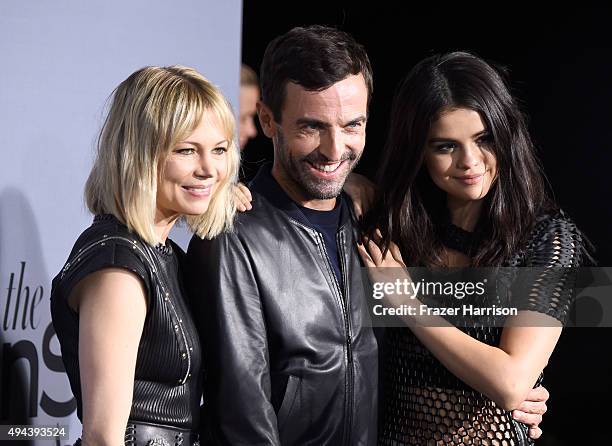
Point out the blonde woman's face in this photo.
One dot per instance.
(193, 170)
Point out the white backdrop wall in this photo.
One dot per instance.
(59, 62)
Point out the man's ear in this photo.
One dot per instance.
(266, 119)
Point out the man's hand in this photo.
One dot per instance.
(531, 410)
(362, 192)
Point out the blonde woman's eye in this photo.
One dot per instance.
(185, 151)
(219, 150)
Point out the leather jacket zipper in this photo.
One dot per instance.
(341, 243)
(344, 306)
(343, 302)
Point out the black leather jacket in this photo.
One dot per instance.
(291, 358)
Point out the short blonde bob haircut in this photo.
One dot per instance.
(151, 111)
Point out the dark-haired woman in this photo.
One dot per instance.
(460, 186)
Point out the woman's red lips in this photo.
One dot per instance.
(470, 179)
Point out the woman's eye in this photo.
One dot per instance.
(445, 148)
(484, 140)
(185, 151)
(219, 150)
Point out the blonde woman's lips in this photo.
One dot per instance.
(198, 191)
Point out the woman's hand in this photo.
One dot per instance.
(532, 410)
(372, 255)
(362, 192)
(386, 270)
(242, 198)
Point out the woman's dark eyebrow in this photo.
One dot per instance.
(475, 136)
(431, 140)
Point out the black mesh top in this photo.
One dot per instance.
(167, 385)
(425, 404)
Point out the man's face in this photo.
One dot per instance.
(319, 139)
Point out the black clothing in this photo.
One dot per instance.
(167, 383)
(294, 361)
(426, 404)
(327, 222)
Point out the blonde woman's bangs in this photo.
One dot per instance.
(151, 111)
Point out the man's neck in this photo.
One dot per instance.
(297, 194)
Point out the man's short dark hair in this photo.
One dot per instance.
(314, 57)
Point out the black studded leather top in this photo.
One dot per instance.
(425, 404)
(167, 384)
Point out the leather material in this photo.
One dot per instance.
(293, 360)
(167, 384)
(143, 434)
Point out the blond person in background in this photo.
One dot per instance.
(249, 95)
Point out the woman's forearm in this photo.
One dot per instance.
(506, 373)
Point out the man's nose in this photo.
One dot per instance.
(333, 145)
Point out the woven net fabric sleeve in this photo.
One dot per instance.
(547, 280)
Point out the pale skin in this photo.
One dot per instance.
(460, 164)
(111, 303)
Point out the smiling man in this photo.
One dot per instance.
(320, 140)
(280, 301)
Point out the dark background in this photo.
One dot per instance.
(560, 67)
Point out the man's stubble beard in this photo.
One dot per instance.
(297, 171)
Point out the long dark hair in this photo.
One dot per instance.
(410, 206)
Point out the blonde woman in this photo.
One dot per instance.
(129, 344)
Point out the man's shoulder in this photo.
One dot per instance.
(263, 218)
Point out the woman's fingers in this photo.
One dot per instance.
(396, 254)
(375, 252)
(245, 191)
(365, 256)
(242, 198)
(535, 433)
